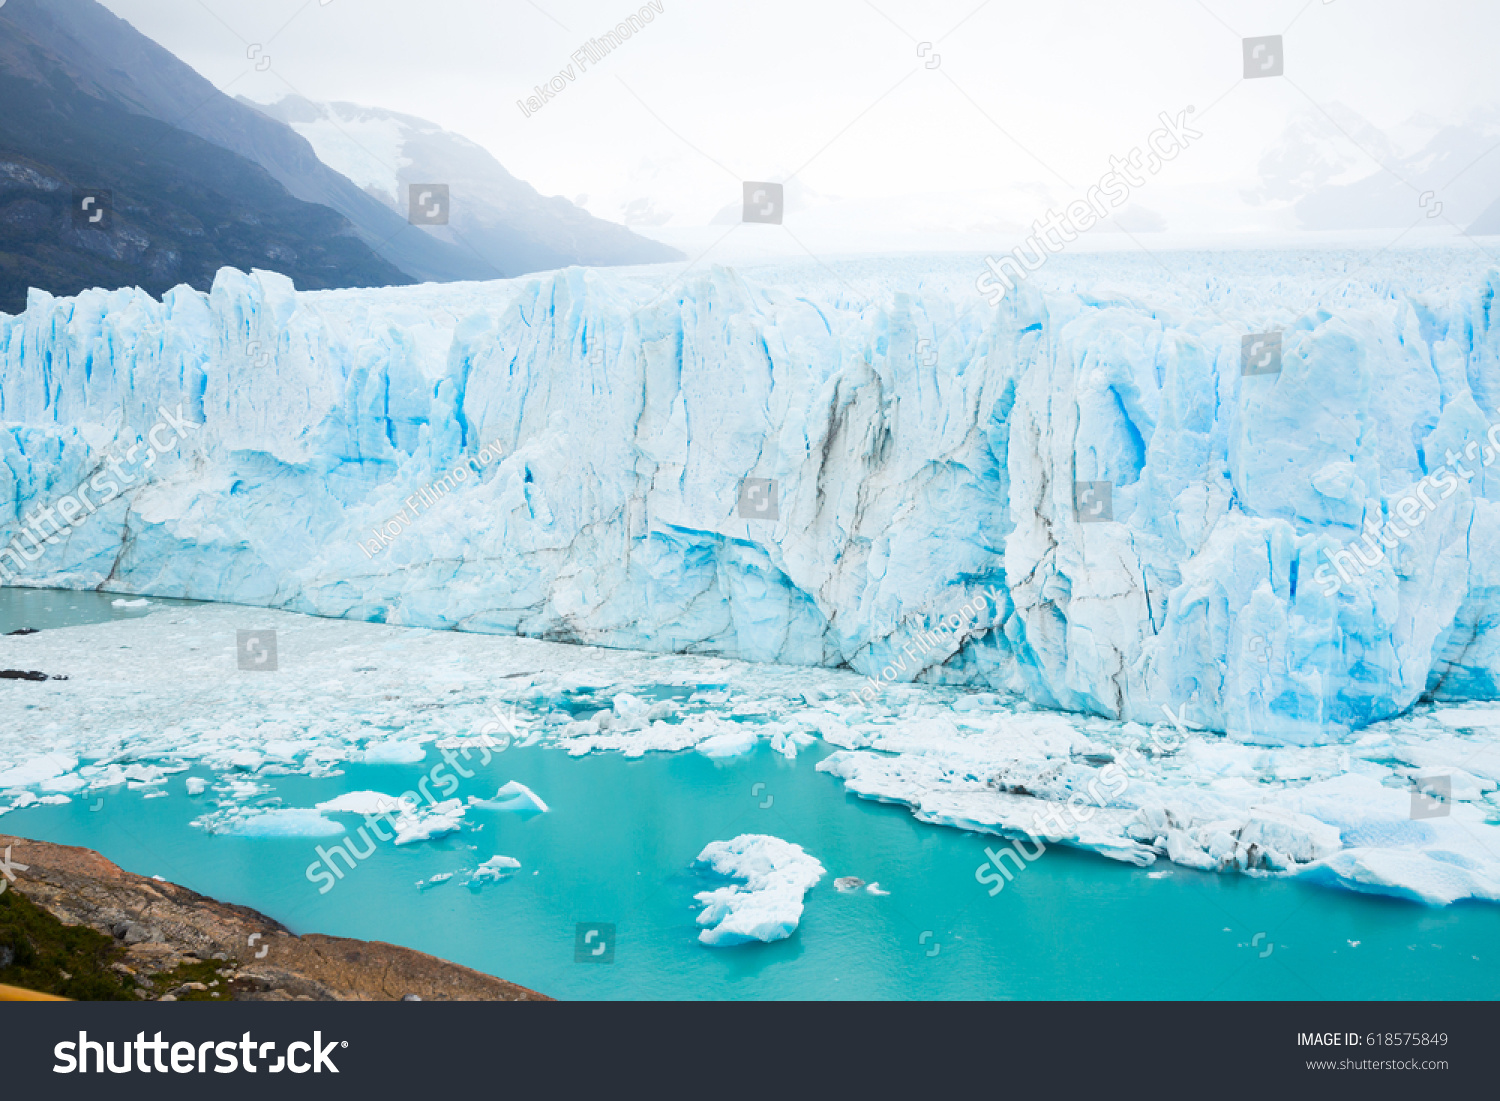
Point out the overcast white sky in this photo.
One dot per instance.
(836, 88)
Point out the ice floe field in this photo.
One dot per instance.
(1408, 806)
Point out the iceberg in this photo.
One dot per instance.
(362, 803)
(426, 824)
(1082, 495)
(495, 869)
(38, 770)
(515, 797)
(287, 822)
(768, 905)
(395, 751)
(411, 821)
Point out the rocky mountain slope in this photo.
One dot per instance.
(171, 943)
(104, 58)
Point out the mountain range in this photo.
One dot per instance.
(503, 221)
(185, 179)
(1338, 171)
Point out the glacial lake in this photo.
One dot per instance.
(617, 849)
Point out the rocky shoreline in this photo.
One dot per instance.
(167, 943)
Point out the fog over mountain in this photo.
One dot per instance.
(1337, 170)
(502, 220)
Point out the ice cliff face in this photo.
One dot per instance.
(925, 449)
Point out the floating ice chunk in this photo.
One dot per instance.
(283, 749)
(495, 869)
(787, 742)
(875, 889)
(283, 822)
(514, 796)
(38, 769)
(56, 800)
(441, 818)
(196, 785)
(144, 776)
(433, 881)
(362, 802)
(630, 713)
(848, 884)
(719, 734)
(732, 743)
(70, 782)
(1409, 874)
(395, 752)
(768, 905)
(141, 603)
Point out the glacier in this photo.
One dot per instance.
(922, 446)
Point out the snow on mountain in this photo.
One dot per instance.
(1320, 146)
(1336, 170)
(115, 72)
(502, 219)
(1077, 496)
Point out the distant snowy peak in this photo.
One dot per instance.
(1336, 170)
(1322, 146)
(491, 212)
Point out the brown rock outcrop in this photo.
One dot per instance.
(163, 927)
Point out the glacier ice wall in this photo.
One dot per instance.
(925, 448)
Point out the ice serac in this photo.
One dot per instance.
(591, 433)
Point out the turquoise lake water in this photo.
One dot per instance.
(617, 848)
